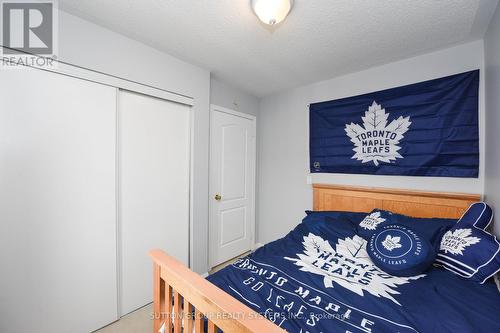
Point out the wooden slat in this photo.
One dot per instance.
(188, 309)
(163, 302)
(198, 322)
(408, 202)
(156, 298)
(177, 312)
(211, 327)
(168, 310)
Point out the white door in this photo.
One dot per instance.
(57, 203)
(232, 184)
(153, 169)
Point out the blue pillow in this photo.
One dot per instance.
(431, 229)
(479, 215)
(319, 216)
(467, 249)
(373, 222)
(330, 219)
(400, 251)
(354, 216)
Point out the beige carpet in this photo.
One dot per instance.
(138, 321)
(229, 262)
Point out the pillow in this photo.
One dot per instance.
(479, 215)
(400, 251)
(373, 222)
(431, 229)
(333, 214)
(467, 249)
(319, 216)
(326, 226)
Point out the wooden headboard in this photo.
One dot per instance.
(407, 202)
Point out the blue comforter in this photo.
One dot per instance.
(319, 278)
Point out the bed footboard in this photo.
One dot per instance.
(183, 301)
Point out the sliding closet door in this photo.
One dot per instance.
(57, 203)
(153, 168)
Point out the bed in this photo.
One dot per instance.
(281, 287)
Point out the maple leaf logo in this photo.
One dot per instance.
(390, 243)
(348, 265)
(371, 221)
(456, 241)
(376, 141)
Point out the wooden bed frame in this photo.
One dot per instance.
(177, 289)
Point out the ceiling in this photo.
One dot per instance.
(320, 39)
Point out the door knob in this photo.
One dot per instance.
(218, 197)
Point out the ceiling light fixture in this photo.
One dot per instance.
(272, 11)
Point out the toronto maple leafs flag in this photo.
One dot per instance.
(424, 129)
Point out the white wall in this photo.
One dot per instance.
(492, 175)
(225, 95)
(284, 161)
(87, 45)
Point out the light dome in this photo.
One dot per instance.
(272, 11)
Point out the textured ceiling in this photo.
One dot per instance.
(320, 39)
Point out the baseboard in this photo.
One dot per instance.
(256, 246)
(204, 275)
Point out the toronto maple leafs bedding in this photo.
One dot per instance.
(319, 278)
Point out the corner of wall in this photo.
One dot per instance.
(492, 101)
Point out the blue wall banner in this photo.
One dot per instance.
(424, 129)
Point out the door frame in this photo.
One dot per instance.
(211, 185)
